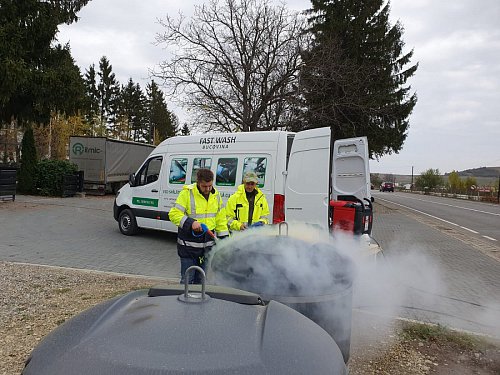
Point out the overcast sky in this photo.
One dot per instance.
(456, 122)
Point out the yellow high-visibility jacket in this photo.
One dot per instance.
(237, 208)
(192, 206)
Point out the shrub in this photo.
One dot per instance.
(50, 176)
(27, 172)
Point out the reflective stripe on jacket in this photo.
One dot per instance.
(192, 206)
(237, 208)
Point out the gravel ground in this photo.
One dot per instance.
(36, 299)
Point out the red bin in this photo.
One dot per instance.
(350, 216)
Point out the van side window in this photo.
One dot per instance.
(150, 171)
(257, 165)
(199, 163)
(178, 168)
(289, 142)
(226, 171)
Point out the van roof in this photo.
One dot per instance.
(258, 136)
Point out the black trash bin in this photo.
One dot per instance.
(8, 176)
(314, 279)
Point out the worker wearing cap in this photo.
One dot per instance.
(198, 204)
(248, 206)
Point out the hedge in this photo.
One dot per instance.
(50, 175)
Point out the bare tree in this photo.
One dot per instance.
(235, 65)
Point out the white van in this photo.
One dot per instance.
(293, 171)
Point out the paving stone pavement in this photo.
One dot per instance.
(81, 233)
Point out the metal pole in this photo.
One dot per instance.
(411, 186)
(498, 192)
(50, 137)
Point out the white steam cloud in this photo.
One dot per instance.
(348, 272)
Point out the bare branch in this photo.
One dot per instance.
(234, 63)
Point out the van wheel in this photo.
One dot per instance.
(127, 223)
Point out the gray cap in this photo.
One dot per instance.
(251, 177)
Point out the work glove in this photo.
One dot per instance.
(257, 224)
(204, 229)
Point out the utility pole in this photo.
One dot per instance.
(50, 136)
(498, 191)
(411, 186)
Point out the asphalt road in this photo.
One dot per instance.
(479, 219)
(447, 273)
(431, 270)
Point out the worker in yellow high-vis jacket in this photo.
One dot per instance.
(198, 204)
(248, 206)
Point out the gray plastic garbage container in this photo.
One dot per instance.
(314, 279)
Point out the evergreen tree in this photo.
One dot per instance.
(27, 171)
(37, 75)
(125, 110)
(354, 74)
(140, 122)
(91, 106)
(161, 121)
(133, 111)
(185, 130)
(60, 87)
(109, 91)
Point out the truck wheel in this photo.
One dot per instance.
(115, 186)
(127, 223)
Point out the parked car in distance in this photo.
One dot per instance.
(387, 186)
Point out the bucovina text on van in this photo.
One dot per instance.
(210, 143)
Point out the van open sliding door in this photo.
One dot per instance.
(307, 182)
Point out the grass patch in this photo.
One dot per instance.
(440, 334)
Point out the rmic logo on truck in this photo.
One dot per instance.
(79, 149)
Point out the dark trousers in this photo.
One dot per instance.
(194, 277)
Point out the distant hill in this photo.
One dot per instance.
(479, 172)
(485, 176)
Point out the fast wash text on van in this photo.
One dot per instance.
(294, 172)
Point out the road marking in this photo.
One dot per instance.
(434, 217)
(451, 205)
(488, 248)
(490, 238)
(470, 230)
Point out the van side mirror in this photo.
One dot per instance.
(131, 179)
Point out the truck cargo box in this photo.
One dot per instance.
(106, 163)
